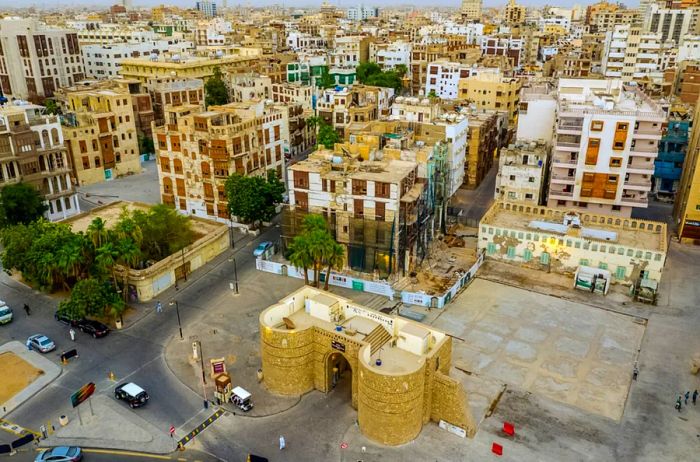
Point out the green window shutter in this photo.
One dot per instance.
(527, 255)
(603, 265)
(583, 262)
(491, 248)
(544, 258)
(620, 272)
(511, 252)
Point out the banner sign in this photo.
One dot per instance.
(81, 395)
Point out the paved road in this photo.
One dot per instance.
(475, 202)
(97, 455)
(134, 354)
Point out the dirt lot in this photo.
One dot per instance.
(16, 374)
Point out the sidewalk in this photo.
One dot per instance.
(49, 369)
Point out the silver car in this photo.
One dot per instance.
(41, 342)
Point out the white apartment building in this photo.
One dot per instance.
(606, 141)
(443, 77)
(348, 51)
(689, 49)
(293, 93)
(522, 169)
(249, 87)
(412, 109)
(671, 24)
(302, 41)
(104, 61)
(389, 55)
(207, 8)
(630, 54)
(108, 33)
(361, 12)
(536, 115)
(560, 21)
(36, 60)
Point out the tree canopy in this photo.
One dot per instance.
(326, 135)
(315, 248)
(253, 198)
(52, 107)
(215, 90)
(370, 73)
(146, 145)
(20, 203)
(92, 297)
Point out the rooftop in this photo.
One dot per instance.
(630, 232)
(331, 163)
(609, 96)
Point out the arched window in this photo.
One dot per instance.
(55, 136)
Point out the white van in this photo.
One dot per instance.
(5, 313)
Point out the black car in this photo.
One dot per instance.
(94, 328)
(132, 394)
(63, 318)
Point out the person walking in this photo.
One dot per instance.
(695, 397)
(72, 334)
(27, 310)
(687, 397)
(678, 403)
(283, 444)
(159, 307)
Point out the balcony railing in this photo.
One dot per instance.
(561, 193)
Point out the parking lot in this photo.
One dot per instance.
(566, 351)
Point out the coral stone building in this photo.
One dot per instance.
(313, 339)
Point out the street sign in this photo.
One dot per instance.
(81, 395)
(172, 431)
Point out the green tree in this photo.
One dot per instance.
(365, 70)
(300, 255)
(20, 203)
(52, 107)
(146, 145)
(326, 135)
(215, 90)
(314, 247)
(97, 232)
(325, 80)
(92, 297)
(401, 70)
(163, 232)
(333, 256)
(432, 94)
(253, 198)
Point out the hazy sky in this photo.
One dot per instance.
(341, 3)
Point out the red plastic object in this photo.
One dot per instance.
(508, 428)
(497, 449)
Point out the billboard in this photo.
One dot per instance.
(81, 395)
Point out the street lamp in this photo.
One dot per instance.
(204, 380)
(177, 310)
(230, 230)
(235, 274)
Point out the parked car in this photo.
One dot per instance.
(132, 394)
(63, 318)
(94, 328)
(41, 342)
(5, 313)
(261, 248)
(60, 454)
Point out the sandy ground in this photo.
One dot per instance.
(16, 374)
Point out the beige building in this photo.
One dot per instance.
(686, 209)
(493, 91)
(342, 107)
(198, 150)
(190, 67)
(32, 151)
(482, 146)
(522, 170)
(514, 14)
(99, 127)
(562, 240)
(302, 349)
(176, 92)
(36, 60)
(606, 141)
(296, 93)
(247, 87)
(471, 10)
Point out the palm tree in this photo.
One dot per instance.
(68, 261)
(97, 232)
(320, 243)
(334, 259)
(105, 259)
(129, 255)
(300, 256)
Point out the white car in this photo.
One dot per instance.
(5, 313)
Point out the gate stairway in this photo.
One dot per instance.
(377, 338)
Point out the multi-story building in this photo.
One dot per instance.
(296, 93)
(689, 48)
(104, 61)
(522, 170)
(673, 146)
(454, 48)
(198, 150)
(687, 82)
(606, 142)
(140, 101)
(108, 33)
(603, 16)
(302, 136)
(361, 13)
(389, 55)
(444, 77)
(471, 10)
(490, 90)
(513, 48)
(632, 55)
(32, 151)
(412, 109)
(482, 146)
(308, 68)
(341, 107)
(513, 14)
(246, 87)
(184, 67)
(671, 24)
(36, 60)
(536, 113)
(570, 64)
(99, 127)
(176, 92)
(562, 241)
(686, 208)
(207, 8)
(349, 51)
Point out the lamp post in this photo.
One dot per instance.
(230, 231)
(204, 380)
(177, 310)
(234, 284)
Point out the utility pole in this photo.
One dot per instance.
(204, 380)
(177, 310)
(235, 274)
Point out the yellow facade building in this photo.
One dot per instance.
(686, 210)
(194, 67)
(493, 91)
(99, 129)
(399, 368)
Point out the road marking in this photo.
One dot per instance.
(200, 428)
(127, 453)
(16, 429)
(111, 384)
